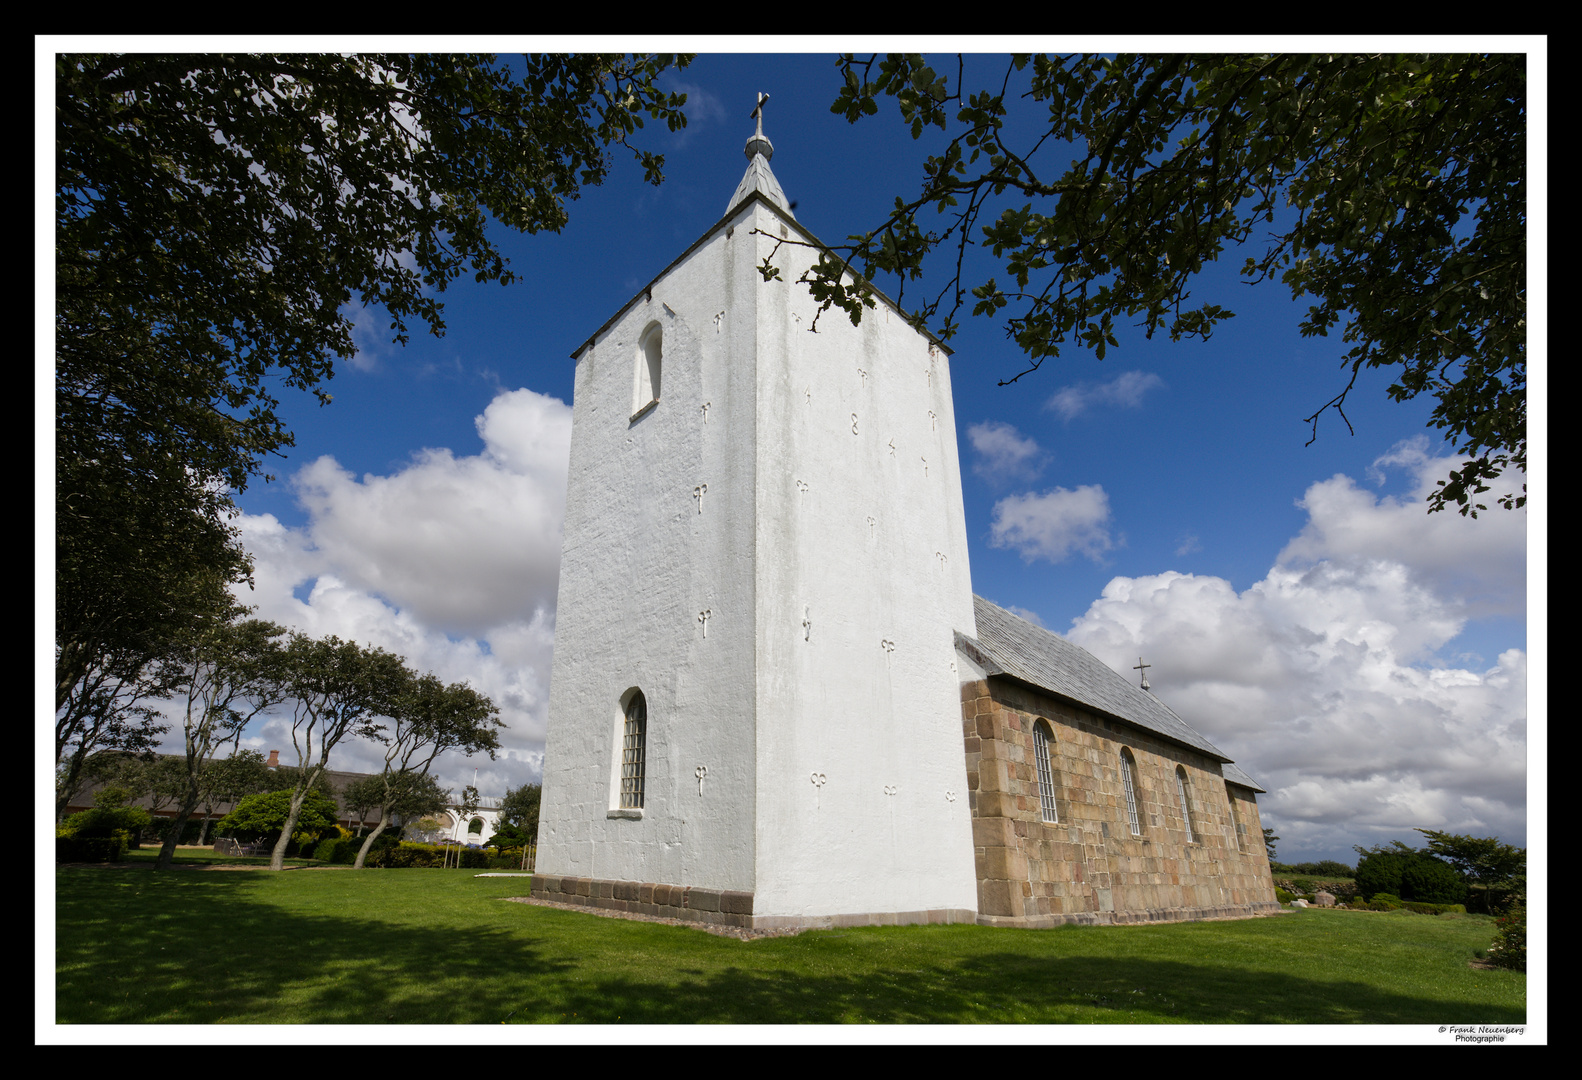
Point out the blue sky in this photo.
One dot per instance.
(1364, 661)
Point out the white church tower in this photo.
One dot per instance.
(754, 712)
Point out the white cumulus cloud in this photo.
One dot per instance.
(1325, 679)
(1055, 525)
(452, 562)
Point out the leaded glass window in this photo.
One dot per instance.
(1043, 745)
(1131, 793)
(632, 746)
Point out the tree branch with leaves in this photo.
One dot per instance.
(1389, 188)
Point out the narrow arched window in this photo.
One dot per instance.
(1128, 781)
(1235, 816)
(1186, 807)
(633, 740)
(650, 360)
(1043, 748)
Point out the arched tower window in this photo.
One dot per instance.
(1128, 770)
(633, 741)
(1043, 748)
(650, 358)
(1186, 806)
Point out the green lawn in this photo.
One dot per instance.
(337, 946)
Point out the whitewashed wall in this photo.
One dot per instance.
(831, 555)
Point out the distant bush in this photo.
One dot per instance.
(1435, 909)
(1325, 868)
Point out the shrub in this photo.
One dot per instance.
(1510, 939)
(1323, 868)
(1283, 896)
(1435, 909)
(1380, 872)
(90, 848)
(1431, 881)
(328, 849)
(104, 821)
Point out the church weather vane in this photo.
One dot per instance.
(1142, 667)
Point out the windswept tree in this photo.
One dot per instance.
(1495, 867)
(218, 218)
(1389, 188)
(106, 708)
(336, 689)
(307, 815)
(231, 672)
(427, 719)
(411, 796)
(229, 780)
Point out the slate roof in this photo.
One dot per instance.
(1049, 662)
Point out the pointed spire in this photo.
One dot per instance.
(759, 177)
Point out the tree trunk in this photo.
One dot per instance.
(167, 850)
(277, 860)
(189, 803)
(362, 854)
(68, 786)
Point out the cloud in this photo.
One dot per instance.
(1325, 679)
(1004, 455)
(462, 544)
(452, 562)
(1481, 561)
(1125, 391)
(1054, 525)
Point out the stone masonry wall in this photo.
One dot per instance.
(1089, 868)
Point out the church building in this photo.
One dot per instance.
(775, 700)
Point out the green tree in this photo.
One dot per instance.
(231, 672)
(1268, 842)
(1432, 881)
(1389, 188)
(519, 815)
(1482, 860)
(427, 719)
(409, 796)
(337, 689)
(229, 780)
(1404, 871)
(106, 710)
(215, 215)
(281, 812)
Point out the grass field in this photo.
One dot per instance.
(337, 946)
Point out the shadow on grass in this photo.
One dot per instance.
(348, 947)
(1006, 987)
(214, 947)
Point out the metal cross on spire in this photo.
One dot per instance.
(759, 143)
(1142, 667)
